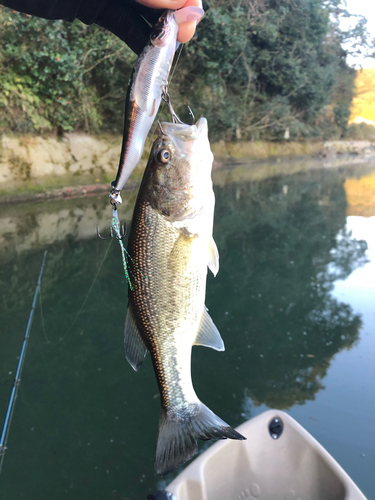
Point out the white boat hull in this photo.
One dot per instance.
(292, 467)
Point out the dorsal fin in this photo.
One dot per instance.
(213, 257)
(208, 335)
(135, 349)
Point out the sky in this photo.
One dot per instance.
(365, 8)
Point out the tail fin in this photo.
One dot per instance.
(178, 434)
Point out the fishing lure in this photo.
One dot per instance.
(149, 81)
(119, 233)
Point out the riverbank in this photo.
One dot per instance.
(33, 167)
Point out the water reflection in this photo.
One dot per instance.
(82, 411)
(34, 226)
(360, 194)
(283, 246)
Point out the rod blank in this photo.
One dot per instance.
(17, 378)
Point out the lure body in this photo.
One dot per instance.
(147, 84)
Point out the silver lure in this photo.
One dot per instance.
(147, 84)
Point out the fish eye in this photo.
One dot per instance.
(158, 34)
(164, 155)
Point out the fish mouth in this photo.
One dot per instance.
(183, 131)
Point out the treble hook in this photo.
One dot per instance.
(161, 128)
(100, 236)
(167, 99)
(123, 231)
(117, 230)
(192, 114)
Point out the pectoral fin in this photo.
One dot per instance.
(181, 252)
(135, 349)
(208, 335)
(213, 257)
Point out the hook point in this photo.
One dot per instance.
(99, 235)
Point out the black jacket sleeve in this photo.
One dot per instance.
(85, 10)
(124, 18)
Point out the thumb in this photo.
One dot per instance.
(163, 4)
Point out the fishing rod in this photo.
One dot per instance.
(17, 378)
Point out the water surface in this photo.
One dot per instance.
(294, 302)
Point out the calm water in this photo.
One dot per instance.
(294, 302)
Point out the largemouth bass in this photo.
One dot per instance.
(171, 245)
(147, 83)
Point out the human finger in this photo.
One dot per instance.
(163, 4)
(186, 30)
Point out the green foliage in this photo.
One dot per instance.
(59, 75)
(254, 69)
(360, 132)
(259, 68)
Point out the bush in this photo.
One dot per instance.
(360, 132)
(56, 75)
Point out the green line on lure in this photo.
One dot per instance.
(116, 233)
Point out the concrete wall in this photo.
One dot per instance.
(34, 157)
(32, 163)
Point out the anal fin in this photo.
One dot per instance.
(208, 335)
(135, 349)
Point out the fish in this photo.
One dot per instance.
(171, 247)
(148, 82)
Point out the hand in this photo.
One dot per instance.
(187, 30)
(126, 19)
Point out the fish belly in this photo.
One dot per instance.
(167, 299)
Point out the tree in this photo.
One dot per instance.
(258, 68)
(60, 75)
(255, 69)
